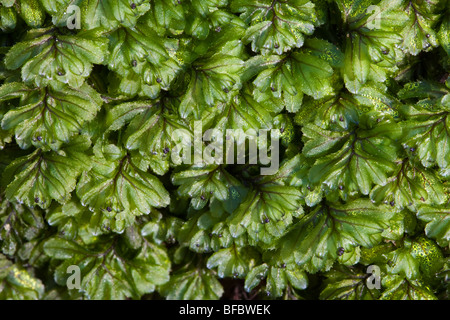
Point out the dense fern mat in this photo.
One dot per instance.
(94, 206)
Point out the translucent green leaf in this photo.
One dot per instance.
(17, 283)
(371, 42)
(234, 261)
(8, 19)
(19, 224)
(418, 31)
(212, 80)
(54, 59)
(48, 116)
(316, 241)
(398, 288)
(166, 16)
(343, 283)
(417, 259)
(276, 26)
(410, 186)
(438, 223)
(294, 75)
(118, 186)
(353, 160)
(40, 177)
(278, 279)
(425, 130)
(192, 283)
(196, 232)
(106, 272)
(444, 34)
(150, 129)
(144, 62)
(244, 112)
(201, 183)
(205, 16)
(402, 262)
(267, 213)
(32, 12)
(96, 13)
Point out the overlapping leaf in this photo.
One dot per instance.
(289, 77)
(43, 176)
(418, 32)
(344, 283)
(353, 160)
(370, 45)
(278, 279)
(192, 282)
(144, 62)
(208, 15)
(49, 58)
(46, 116)
(426, 125)
(166, 16)
(276, 26)
(153, 128)
(16, 283)
(438, 223)
(419, 259)
(116, 185)
(234, 262)
(106, 273)
(316, 241)
(410, 186)
(202, 182)
(19, 224)
(213, 79)
(8, 18)
(399, 288)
